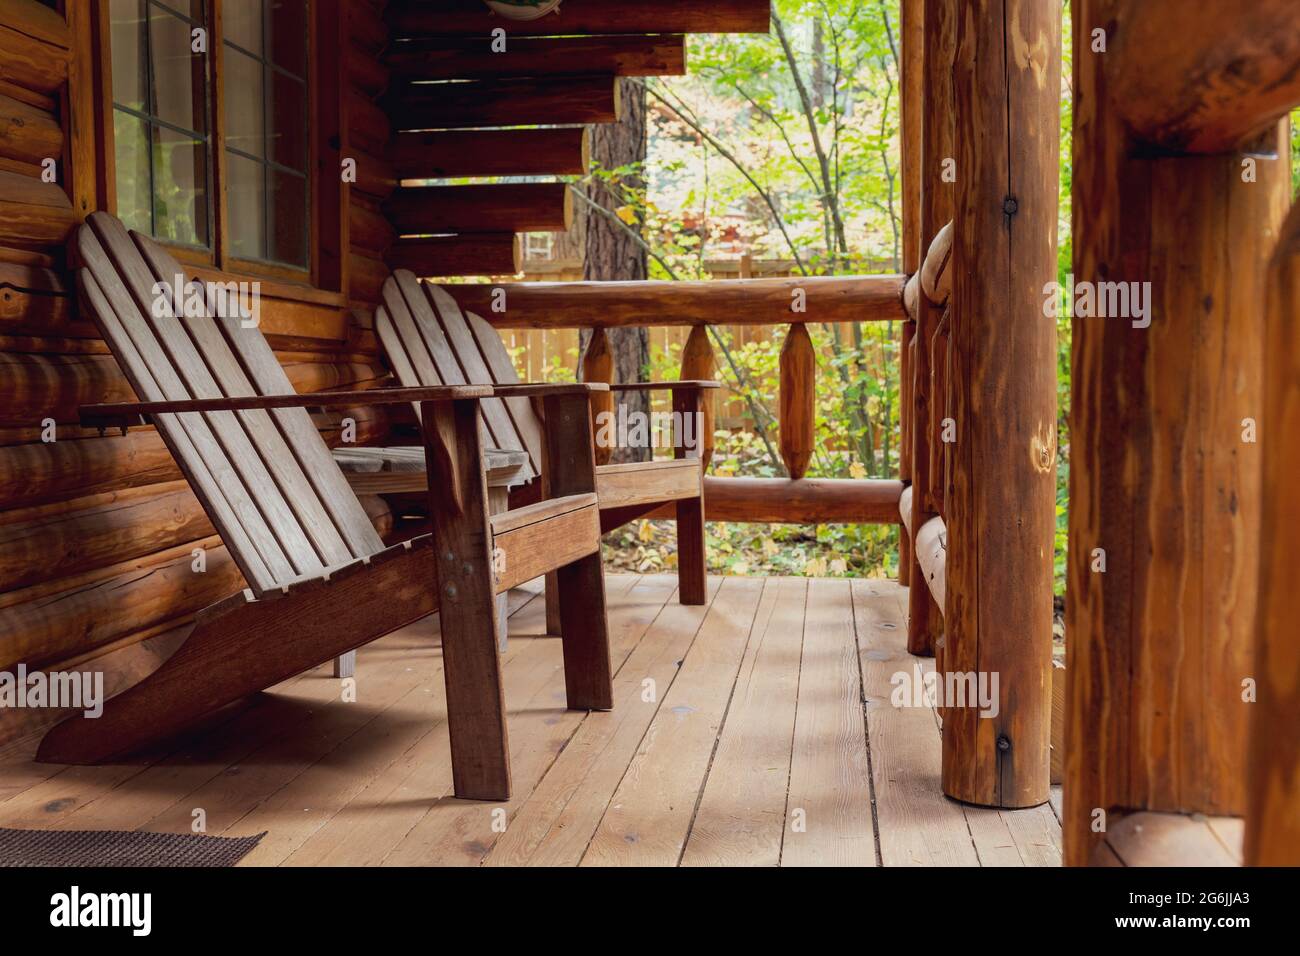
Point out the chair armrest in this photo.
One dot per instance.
(683, 385)
(126, 414)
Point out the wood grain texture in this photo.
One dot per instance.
(481, 104)
(470, 18)
(1161, 479)
(1214, 83)
(454, 58)
(1273, 787)
(798, 419)
(493, 207)
(598, 366)
(442, 154)
(1001, 513)
(560, 305)
(700, 364)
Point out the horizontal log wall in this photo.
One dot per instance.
(98, 534)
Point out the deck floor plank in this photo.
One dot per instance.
(742, 813)
(461, 832)
(738, 738)
(650, 814)
(557, 822)
(830, 772)
(918, 825)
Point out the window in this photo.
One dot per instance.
(160, 120)
(167, 178)
(266, 128)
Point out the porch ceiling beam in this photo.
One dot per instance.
(595, 17)
(496, 207)
(513, 102)
(453, 58)
(442, 154)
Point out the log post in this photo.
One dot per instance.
(912, 17)
(798, 391)
(1001, 515)
(925, 616)
(1272, 823)
(700, 364)
(1164, 476)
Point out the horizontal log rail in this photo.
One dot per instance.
(778, 301)
(802, 501)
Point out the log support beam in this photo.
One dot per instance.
(1165, 504)
(1002, 506)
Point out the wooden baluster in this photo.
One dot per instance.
(698, 363)
(598, 366)
(939, 404)
(798, 415)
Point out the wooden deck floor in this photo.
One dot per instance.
(739, 737)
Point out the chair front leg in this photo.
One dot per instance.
(580, 586)
(462, 537)
(692, 585)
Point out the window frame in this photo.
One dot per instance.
(218, 253)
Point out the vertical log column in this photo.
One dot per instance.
(1164, 476)
(1006, 84)
(925, 617)
(1272, 814)
(913, 51)
(700, 364)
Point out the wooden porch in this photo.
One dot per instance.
(754, 730)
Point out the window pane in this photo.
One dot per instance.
(132, 161)
(288, 218)
(126, 25)
(244, 103)
(288, 111)
(242, 24)
(286, 44)
(180, 195)
(246, 206)
(177, 81)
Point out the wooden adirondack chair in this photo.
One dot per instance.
(430, 341)
(320, 580)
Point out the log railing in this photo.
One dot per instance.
(793, 302)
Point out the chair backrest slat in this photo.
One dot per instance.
(242, 362)
(255, 550)
(267, 480)
(424, 350)
(185, 359)
(498, 366)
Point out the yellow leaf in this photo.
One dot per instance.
(647, 531)
(839, 566)
(627, 214)
(815, 568)
(740, 567)
(769, 547)
(858, 470)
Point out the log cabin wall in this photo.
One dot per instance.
(99, 535)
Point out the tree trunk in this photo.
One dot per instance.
(613, 254)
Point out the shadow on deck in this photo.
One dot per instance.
(739, 737)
